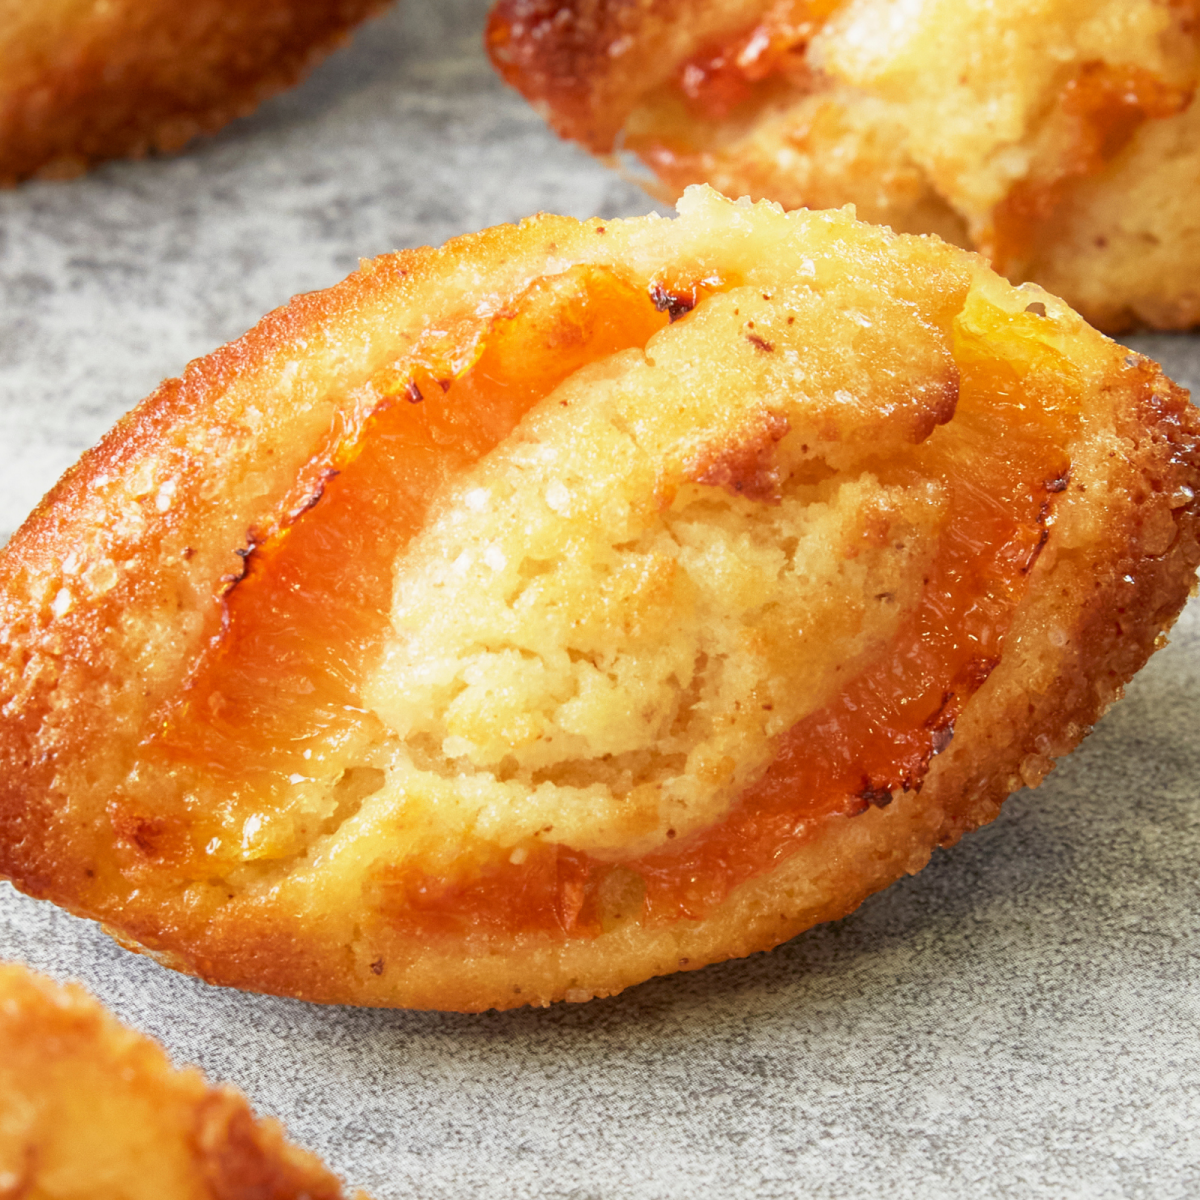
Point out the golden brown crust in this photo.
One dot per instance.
(82, 82)
(115, 585)
(88, 1108)
(1058, 136)
(581, 63)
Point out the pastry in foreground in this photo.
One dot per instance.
(91, 1110)
(1060, 137)
(82, 81)
(580, 602)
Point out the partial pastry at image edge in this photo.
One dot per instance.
(90, 1108)
(82, 83)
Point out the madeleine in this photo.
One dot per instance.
(91, 1110)
(580, 602)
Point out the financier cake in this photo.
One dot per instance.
(91, 1110)
(86, 80)
(580, 602)
(1060, 137)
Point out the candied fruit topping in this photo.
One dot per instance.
(278, 689)
(876, 738)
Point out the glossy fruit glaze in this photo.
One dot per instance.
(728, 72)
(1001, 459)
(877, 738)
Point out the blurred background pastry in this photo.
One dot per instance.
(1059, 137)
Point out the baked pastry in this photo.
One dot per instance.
(91, 1110)
(579, 602)
(1057, 136)
(82, 81)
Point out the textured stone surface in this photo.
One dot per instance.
(1019, 1020)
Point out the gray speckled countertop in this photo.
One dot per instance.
(1022, 1019)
